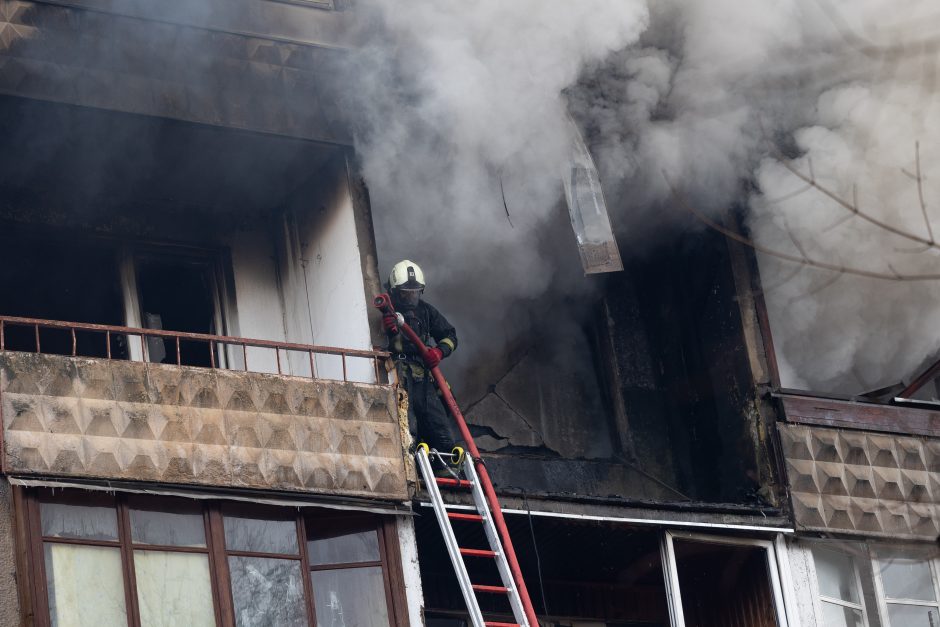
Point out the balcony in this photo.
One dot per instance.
(862, 468)
(117, 415)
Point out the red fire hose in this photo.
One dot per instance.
(384, 304)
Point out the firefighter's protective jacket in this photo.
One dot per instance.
(428, 323)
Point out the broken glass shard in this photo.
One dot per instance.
(588, 210)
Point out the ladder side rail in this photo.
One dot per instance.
(492, 535)
(453, 550)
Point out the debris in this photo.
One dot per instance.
(588, 210)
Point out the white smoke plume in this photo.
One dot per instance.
(461, 120)
(461, 103)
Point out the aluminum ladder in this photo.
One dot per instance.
(471, 481)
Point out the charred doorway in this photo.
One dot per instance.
(47, 276)
(178, 294)
(591, 573)
(725, 581)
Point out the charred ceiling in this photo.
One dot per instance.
(117, 173)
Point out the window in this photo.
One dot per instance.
(178, 293)
(347, 575)
(127, 559)
(839, 589)
(859, 585)
(718, 580)
(907, 586)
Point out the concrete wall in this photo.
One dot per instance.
(255, 65)
(412, 571)
(9, 599)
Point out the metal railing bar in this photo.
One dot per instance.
(74, 344)
(344, 366)
(178, 360)
(212, 353)
(107, 340)
(277, 355)
(38, 347)
(245, 355)
(185, 335)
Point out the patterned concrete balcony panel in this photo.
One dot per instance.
(93, 418)
(863, 483)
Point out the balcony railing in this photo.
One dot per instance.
(213, 343)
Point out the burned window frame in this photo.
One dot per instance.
(772, 553)
(33, 588)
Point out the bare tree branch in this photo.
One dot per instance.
(805, 260)
(850, 206)
(920, 191)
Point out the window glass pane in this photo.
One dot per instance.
(906, 578)
(343, 549)
(172, 529)
(262, 536)
(78, 521)
(838, 616)
(350, 596)
(86, 585)
(174, 589)
(267, 592)
(912, 616)
(836, 575)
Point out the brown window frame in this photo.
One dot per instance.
(33, 588)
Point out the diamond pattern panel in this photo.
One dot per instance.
(864, 483)
(77, 417)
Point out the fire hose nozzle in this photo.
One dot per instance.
(383, 302)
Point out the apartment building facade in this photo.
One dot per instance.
(198, 426)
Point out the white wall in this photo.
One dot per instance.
(337, 290)
(409, 560)
(260, 313)
(321, 280)
(303, 284)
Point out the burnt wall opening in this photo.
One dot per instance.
(177, 294)
(57, 278)
(589, 571)
(650, 399)
(677, 365)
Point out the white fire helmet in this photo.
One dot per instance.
(406, 275)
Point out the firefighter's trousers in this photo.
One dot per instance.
(428, 420)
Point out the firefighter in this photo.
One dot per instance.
(428, 420)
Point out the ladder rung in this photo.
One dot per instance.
(461, 516)
(495, 589)
(477, 553)
(453, 483)
(493, 624)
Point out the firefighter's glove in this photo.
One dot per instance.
(433, 357)
(390, 323)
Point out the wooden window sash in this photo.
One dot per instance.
(35, 589)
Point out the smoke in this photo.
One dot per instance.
(459, 106)
(837, 331)
(461, 125)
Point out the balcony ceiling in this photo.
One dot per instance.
(89, 164)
